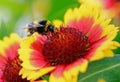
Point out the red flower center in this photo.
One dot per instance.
(65, 46)
(11, 71)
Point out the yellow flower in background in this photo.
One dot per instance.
(84, 36)
(101, 80)
(108, 7)
(9, 61)
(96, 3)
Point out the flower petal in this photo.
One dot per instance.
(3, 62)
(57, 23)
(34, 74)
(68, 73)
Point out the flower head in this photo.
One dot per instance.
(9, 61)
(84, 36)
(112, 6)
(108, 7)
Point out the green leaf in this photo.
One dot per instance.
(46, 77)
(107, 69)
(117, 51)
(59, 7)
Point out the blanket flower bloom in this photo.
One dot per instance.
(9, 61)
(113, 6)
(108, 7)
(84, 36)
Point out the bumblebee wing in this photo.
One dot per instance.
(40, 25)
(30, 25)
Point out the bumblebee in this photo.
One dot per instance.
(42, 27)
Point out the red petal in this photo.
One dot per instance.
(1, 75)
(93, 48)
(37, 59)
(37, 46)
(95, 33)
(74, 64)
(11, 52)
(84, 24)
(58, 72)
(3, 62)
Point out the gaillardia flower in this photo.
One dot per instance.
(113, 6)
(108, 7)
(84, 36)
(9, 60)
